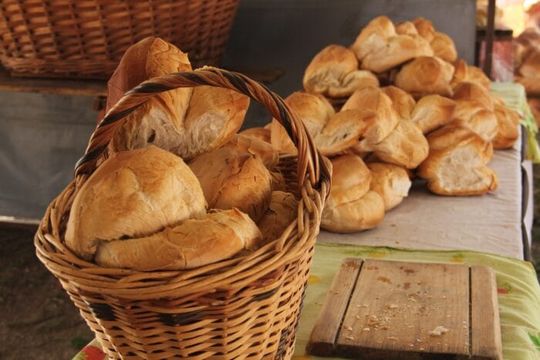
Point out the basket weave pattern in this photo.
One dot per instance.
(87, 38)
(241, 308)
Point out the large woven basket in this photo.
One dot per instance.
(86, 38)
(241, 308)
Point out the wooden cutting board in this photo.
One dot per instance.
(401, 310)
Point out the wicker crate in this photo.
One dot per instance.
(86, 38)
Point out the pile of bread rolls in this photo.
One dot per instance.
(180, 188)
(396, 104)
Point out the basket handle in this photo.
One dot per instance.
(310, 165)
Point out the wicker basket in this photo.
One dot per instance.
(242, 308)
(86, 38)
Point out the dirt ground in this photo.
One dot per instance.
(37, 319)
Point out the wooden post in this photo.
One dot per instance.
(490, 35)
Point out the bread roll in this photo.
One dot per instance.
(373, 36)
(159, 120)
(259, 133)
(354, 215)
(343, 130)
(425, 28)
(391, 182)
(474, 116)
(507, 129)
(473, 91)
(193, 243)
(402, 101)
(385, 118)
(351, 206)
(314, 110)
(231, 179)
(443, 47)
(460, 170)
(477, 75)
(282, 211)
(432, 112)
(280, 140)
(406, 28)
(132, 194)
(333, 72)
(405, 146)
(530, 67)
(461, 72)
(425, 76)
(398, 50)
(258, 148)
(278, 181)
(531, 85)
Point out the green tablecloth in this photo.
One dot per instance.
(518, 289)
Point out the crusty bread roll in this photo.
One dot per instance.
(461, 72)
(259, 133)
(406, 28)
(314, 110)
(402, 101)
(184, 121)
(398, 50)
(426, 75)
(443, 47)
(351, 206)
(405, 146)
(280, 140)
(432, 112)
(281, 213)
(232, 179)
(531, 85)
(193, 243)
(391, 182)
(385, 117)
(530, 67)
(333, 72)
(425, 28)
(477, 75)
(253, 146)
(343, 130)
(474, 116)
(354, 215)
(460, 169)
(159, 120)
(373, 36)
(507, 129)
(473, 91)
(452, 135)
(132, 193)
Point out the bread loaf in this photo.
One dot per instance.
(426, 75)
(474, 116)
(471, 91)
(231, 179)
(425, 28)
(253, 146)
(406, 28)
(432, 112)
(384, 117)
(405, 146)
(530, 67)
(452, 135)
(333, 72)
(132, 194)
(281, 213)
(351, 206)
(398, 50)
(373, 36)
(391, 182)
(402, 102)
(477, 75)
(193, 243)
(259, 133)
(443, 47)
(507, 129)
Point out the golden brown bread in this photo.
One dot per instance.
(406, 28)
(426, 75)
(460, 169)
(260, 133)
(443, 47)
(333, 72)
(507, 129)
(469, 73)
(193, 243)
(373, 36)
(405, 146)
(531, 85)
(398, 50)
(476, 117)
(402, 101)
(314, 110)
(433, 111)
(425, 28)
(383, 116)
(232, 179)
(256, 147)
(473, 91)
(132, 194)
(280, 140)
(461, 72)
(530, 67)
(391, 182)
(281, 213)
(351, 206)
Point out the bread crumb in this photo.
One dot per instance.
(438, 331)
